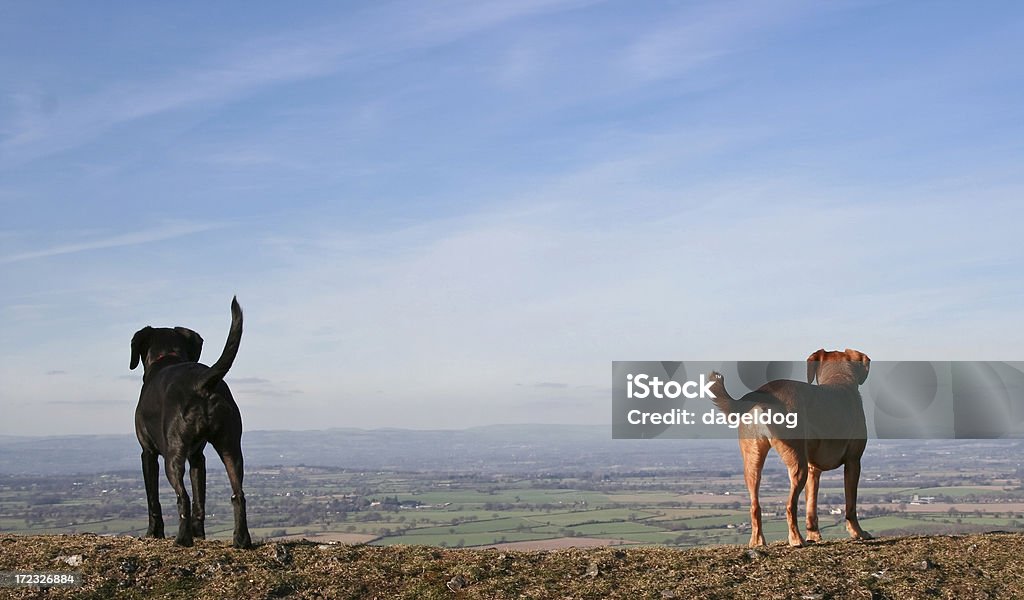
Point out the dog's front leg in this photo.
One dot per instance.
(797, 479)
(754, 453)
(851, 478)
(150, 476)
(813, 477)
(197, 473)
(174, 466)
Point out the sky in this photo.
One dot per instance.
(456, 213)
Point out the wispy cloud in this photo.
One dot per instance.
(250, 380)
(165, 232)
(232, 76)
(702, 33)
(86, 402)
(547, 385)
(40, 130)
(263, 387)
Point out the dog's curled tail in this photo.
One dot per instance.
(723, 400)
(220, 368)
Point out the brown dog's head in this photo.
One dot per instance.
(837, 368)
(151, 344)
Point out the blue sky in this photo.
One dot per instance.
(446, 214)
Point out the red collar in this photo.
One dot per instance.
(165, 355)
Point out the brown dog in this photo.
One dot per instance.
(830, 432)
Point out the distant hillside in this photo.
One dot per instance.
(499, 448)
(975, 566)
(530, 449)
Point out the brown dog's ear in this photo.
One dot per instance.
(865, 364)
(195, 342)
(140, 344)
(813, 362)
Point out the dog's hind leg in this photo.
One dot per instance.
(197, 473)
(796, 462)
(813, 477)
(174, 467)
(232, 458)
(151, 477)
(851, 477)
(754, 453)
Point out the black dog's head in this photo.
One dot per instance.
(151, 344)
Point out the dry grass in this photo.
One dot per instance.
(559, 544)
(975, 566)
(329, 537)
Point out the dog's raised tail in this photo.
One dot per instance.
(723, 400)
(220, 368)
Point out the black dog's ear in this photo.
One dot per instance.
(813, 362)
(195, 342)
(140, 344)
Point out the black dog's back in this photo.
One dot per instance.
(177, 393)
(179, 387)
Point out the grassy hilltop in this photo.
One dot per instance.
(968, 566)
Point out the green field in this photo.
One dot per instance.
(422, 509)
(954, 492)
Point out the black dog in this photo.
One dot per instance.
(183, 406)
